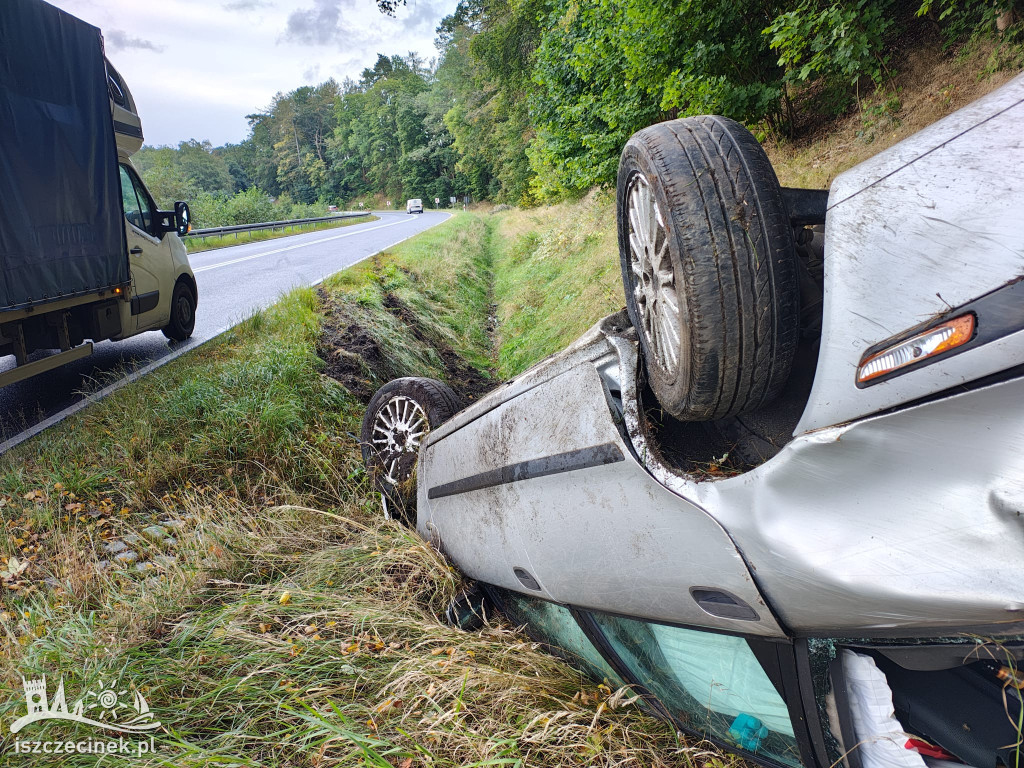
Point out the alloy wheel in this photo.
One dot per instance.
(398, 429)
(654, 279)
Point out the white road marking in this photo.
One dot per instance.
(293, 247)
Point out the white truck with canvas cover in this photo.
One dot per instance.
(85, 254)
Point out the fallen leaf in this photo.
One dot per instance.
(286, 597)
(14, 569)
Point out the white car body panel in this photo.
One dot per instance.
(930, 224)
(560, 526)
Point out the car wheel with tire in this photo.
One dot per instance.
(708, 266)
(398, 418)
(183, 313)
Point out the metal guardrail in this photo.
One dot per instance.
(213, 231)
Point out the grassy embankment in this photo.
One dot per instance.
(556, 273)
(198, 244)
(293, 627)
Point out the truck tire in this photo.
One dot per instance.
(183, 313)
(397, 419)
(708, 266)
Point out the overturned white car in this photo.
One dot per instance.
(783, 494)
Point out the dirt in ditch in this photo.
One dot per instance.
(362, 365)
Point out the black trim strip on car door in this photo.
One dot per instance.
(145, 302)
(570, 461)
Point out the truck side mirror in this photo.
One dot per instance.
(182, 218)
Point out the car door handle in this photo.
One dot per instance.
(135, 251)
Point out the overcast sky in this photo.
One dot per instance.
(197, 67)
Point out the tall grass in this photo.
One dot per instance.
(557, 273)
(294, 628)
(444, 276)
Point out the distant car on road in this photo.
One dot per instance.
(415, 205)
(782, 494)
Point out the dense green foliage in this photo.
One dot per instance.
(532, 100)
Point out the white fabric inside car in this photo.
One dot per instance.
(881, 739)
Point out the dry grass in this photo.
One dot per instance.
(928, 86)
(290, 636)
(295, 628)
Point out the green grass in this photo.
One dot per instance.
(198, 244)
(295, 628)
(557, 273)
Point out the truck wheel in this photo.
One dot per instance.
(708, 266)
(183, 314)
(398, 418)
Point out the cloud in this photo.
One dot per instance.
(320, 25)
(246, 5)
(424, 14)
(119, 40)
(312, 74)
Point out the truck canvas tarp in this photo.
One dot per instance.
(61, 224)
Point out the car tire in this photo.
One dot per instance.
(398, 417)
(183, 313)
(708, 266)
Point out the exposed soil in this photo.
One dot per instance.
(361, 364)
(466, 380)
(353, 356)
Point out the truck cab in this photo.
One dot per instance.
(158, 262)
(157, 256)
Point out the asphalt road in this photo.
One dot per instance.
(232, 283)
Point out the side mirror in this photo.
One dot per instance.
(182, 218)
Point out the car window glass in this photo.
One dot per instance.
(130, 201)
(712, 683)
(137, 207)
(555, 625)
(116, 87)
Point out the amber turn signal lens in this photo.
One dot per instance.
(924, 346)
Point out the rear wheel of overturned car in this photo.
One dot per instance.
(708, 266)
(398, 418)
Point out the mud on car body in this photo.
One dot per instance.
(782, 493)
